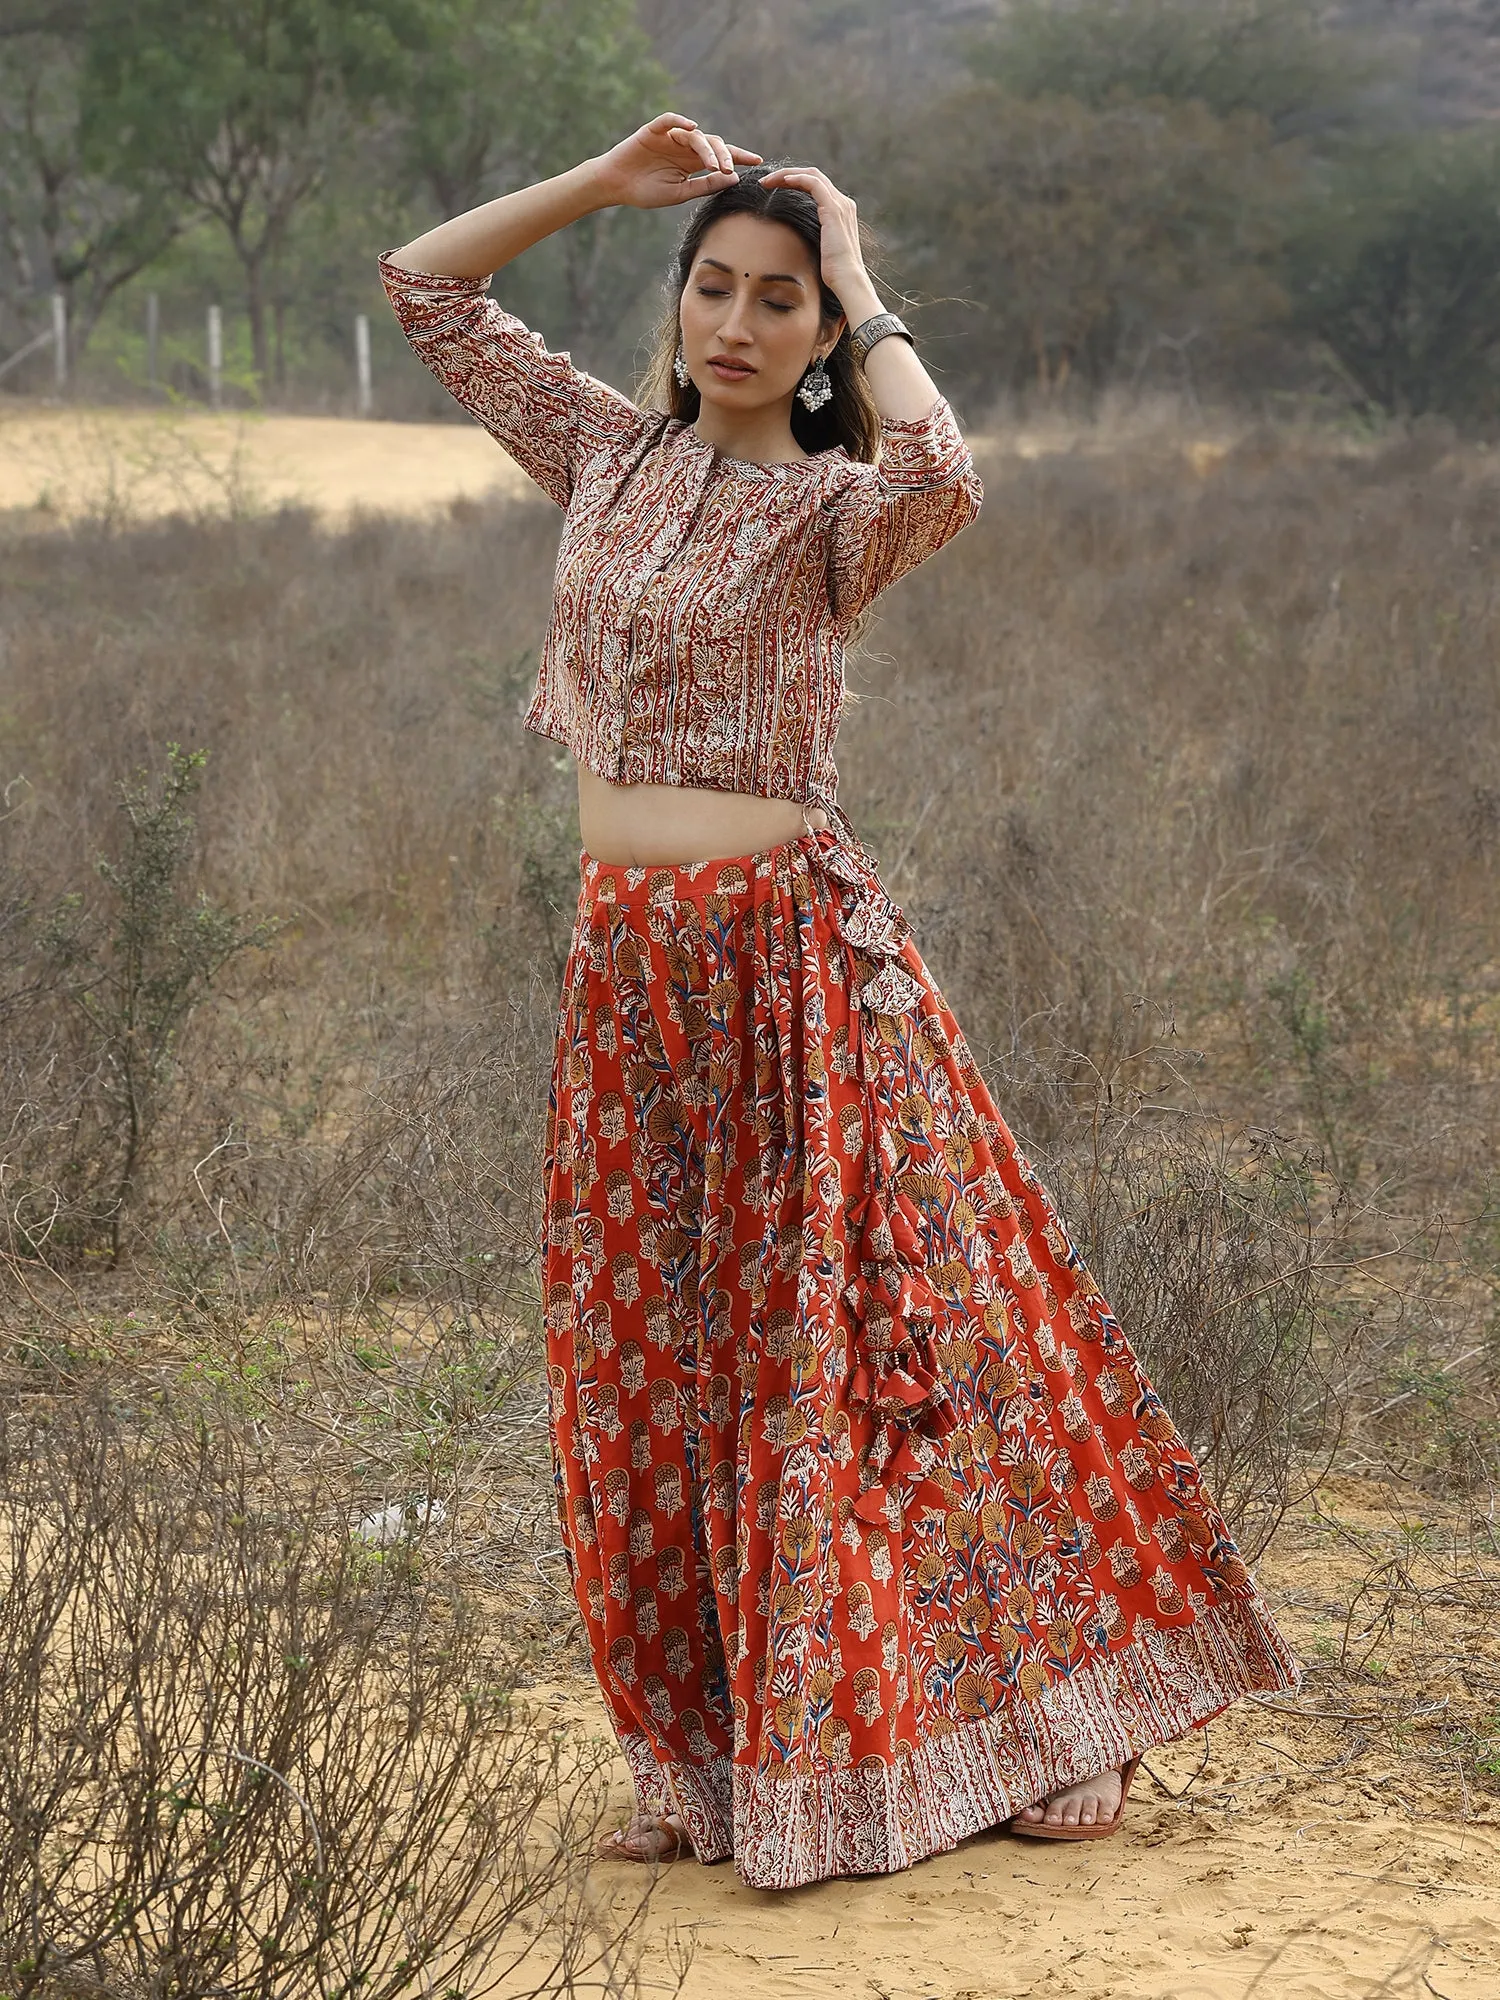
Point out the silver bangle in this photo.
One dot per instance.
(881, 327)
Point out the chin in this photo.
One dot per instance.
(748, 396)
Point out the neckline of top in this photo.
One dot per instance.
(686, 434)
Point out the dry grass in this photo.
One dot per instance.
(1189, 781)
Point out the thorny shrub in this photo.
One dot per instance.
(242, 1753)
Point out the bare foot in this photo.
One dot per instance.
(1091, 1802)
(648, 1838)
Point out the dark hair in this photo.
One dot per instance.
(850, 417)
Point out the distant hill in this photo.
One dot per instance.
(1444, 54)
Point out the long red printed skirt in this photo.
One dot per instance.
(877, 1529)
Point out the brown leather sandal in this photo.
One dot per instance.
(613, 1848)
(1038, 1829)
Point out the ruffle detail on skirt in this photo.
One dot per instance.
(870, 925)
(897, 1384)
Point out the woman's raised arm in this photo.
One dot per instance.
(902, 388)
(667, 161)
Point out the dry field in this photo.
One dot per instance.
(71, 463)
(1185, 764)
(141, 464)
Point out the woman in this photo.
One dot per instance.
(879, 1536)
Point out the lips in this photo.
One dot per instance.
(730, 371)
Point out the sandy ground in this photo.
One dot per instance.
(1271, 1883)
(1337, 1852)
(66, 462)
(140, 463)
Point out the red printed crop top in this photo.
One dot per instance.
(701, 602)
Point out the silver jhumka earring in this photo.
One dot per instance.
(680, 367)
(815, 389)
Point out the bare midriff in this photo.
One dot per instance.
(662, 826)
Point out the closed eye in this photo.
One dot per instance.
(718, 292)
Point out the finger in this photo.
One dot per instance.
(669, 120)
(703, 146)
(813, 179)
(709, 167)
(696, 143)
(746, 159)
(720, 151)
(793, 181)
(695, 186)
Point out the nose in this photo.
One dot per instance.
(734, 332)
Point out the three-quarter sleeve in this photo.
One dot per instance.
(923, 490)
(549, 415)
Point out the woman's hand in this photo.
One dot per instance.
(902, 388)
(668, 161)
(844, 270)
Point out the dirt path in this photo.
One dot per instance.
(139, 463)
(1262, 1882)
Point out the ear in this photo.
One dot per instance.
(832, 335)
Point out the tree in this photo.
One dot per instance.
(1272, 58)
(51, 17)
(239, 106)
(73, 220)
(1088, 239)
(508, 91)
(1395, 267)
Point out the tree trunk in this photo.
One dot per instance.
(1039, 345)
(255, 305)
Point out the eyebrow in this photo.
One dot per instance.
(766, 277)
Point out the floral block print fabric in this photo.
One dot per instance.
(876, 1527)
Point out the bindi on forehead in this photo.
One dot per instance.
(766, 277)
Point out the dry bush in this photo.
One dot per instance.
(316, 1131)
(107, 1000)
(1221, 1250)
(428, 1187)
(243, 1753)
(1216, 741)
(1397, 1599)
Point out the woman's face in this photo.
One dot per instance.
(751, 313)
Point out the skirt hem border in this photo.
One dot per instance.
(788, 1832)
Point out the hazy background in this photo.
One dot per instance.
(1289, 204)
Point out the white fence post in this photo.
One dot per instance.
(60, 341)
(362, 362)
(215, 356)
(153, 338)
